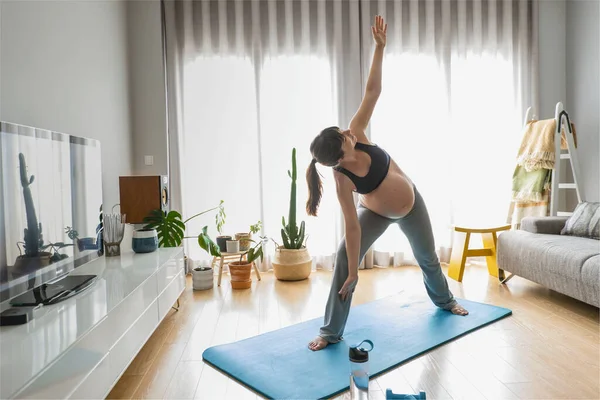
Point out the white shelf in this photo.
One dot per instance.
(80, 347)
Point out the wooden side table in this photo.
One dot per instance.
(460, 249)
(231, 257)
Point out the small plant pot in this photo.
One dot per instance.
(244, 239)
(88, 243)
(222, 243)
(291, 264)
(233, 246)
(144, 240)
(202, 278)
(240, 274)
(27, 265)
(241, 284)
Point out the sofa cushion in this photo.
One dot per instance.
(590, 280)
(585, 221)
(550, 225)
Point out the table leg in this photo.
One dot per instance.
(257, 273)
(220, 271)
(459, 255)
(489, 242)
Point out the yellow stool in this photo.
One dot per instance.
(460, 249)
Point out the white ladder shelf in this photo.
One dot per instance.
(562, 120)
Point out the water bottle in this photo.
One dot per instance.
(359, 370)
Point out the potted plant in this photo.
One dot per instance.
(241, 270)
(34, 257)
(202, 277)
(170, 228)
(292, 262)
(221, 239)
(245, 237)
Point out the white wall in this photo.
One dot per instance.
(64, 67)
(148, 112)
(552, 37)
(583, 87)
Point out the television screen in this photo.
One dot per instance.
(50, 206)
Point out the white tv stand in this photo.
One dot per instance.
(80, 347)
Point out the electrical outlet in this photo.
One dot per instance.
(149, 160)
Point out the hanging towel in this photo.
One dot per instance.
(518, 210)
(537, 145)
(530, 185)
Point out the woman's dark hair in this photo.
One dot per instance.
(326, 149)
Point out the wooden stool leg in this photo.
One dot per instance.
(489, 242)
(220, 271)
(257, 273)
(459, 255)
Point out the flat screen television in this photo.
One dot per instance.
(50, 207)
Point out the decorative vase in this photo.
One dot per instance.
(240, 274)
(144, 240)
(222, 243)
(112, 249)
(202, 278)
(233, 246)
(244, 239)
(292, 264)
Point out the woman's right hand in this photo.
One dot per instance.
(379, 31)
(348, 287)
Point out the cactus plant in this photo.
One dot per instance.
(33, 233)
(292, 236)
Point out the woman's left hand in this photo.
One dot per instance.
(379, 31)
(348, 287)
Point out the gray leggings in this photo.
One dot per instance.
(417, 228)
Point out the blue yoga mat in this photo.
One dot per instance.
(279, 364)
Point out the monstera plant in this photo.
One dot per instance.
(170, 226)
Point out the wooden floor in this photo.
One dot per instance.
(548, 349)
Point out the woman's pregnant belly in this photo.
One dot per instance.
(394, 198)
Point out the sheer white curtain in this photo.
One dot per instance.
(253, 80)
(250, 80)
(457, 79)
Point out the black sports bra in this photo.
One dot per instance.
(380, 164)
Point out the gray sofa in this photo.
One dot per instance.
(538, 252)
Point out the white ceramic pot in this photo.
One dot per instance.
(233, 246)
(202, 278)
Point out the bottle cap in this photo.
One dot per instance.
(359, 353)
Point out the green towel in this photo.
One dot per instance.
(529, 186)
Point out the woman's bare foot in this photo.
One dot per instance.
(458, 310)
(318, 344)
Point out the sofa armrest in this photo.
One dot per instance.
(548, 225)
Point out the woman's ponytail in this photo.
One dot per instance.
(315, 188)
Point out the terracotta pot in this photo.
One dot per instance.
(241, 285)
(240, 274)
(292, 264)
